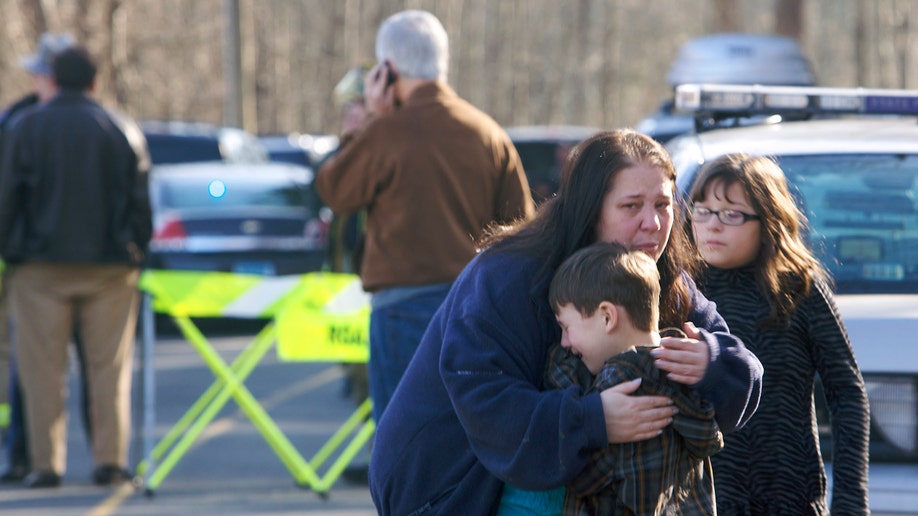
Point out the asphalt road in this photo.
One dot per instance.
(230, 469)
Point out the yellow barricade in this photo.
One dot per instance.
(326, 318)
(315, 317)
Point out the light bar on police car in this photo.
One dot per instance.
(741, 100)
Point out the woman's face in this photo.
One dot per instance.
(721, 245)
(638, 211)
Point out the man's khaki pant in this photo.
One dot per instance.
(46, 301)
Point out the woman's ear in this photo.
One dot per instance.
(609, 312)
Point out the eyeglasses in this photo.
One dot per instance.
(727, 217)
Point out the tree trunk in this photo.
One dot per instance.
(727, 19)
(106, 53)
(789, 18)
(35, 15)
(861, 42)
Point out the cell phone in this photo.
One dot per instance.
(391, 76)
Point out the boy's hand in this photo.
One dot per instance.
(686, 360)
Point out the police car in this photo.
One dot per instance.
(851, 159)
(727, 58)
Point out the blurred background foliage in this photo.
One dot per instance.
(583, 62)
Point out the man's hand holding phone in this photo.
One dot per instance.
(379, 89)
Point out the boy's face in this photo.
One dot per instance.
(587, 337)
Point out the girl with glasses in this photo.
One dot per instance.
(775, 295)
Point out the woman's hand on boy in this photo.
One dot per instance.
(634, 418)
(684, 359)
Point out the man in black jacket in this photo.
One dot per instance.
(74, 227)
(15, 438)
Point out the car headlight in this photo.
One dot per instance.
(894, 410)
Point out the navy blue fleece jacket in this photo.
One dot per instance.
(471, 413)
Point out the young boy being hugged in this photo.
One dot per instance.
(606, 300)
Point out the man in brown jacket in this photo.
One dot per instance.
(433, 172)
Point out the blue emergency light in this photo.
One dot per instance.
(730, 101)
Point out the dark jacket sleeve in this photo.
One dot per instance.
(847, 400)
(10, 192)
(493, 356)
(140, 214)
(733, 381)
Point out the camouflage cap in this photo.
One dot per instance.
(350, 87)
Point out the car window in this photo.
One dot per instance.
(228, 193)
(863, 217)
(172, 149)
(542, 162)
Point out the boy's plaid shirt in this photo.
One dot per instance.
(668, 474)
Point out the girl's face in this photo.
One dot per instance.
(638, 211)
(722, 245)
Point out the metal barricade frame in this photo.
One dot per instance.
(185, 294)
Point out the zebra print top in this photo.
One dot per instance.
(773, 465)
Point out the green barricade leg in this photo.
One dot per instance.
(294, 462)
(4, 415)
(242, 366)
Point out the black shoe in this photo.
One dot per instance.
(110, 475)
(41, 479)
(14, 475)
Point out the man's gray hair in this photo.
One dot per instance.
(416, 43)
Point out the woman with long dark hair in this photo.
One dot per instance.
(471, 415)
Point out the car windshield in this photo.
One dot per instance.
(542, 162)
(193, 192)
(863, 217)
(182, 149)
